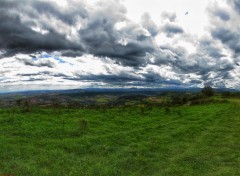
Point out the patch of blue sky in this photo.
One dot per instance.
(34, 58)
(59, 60)
(46, 56)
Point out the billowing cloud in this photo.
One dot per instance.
(83, 44)
(169, 16)
(149, 24)
(22, 29)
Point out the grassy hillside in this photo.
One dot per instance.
(187, 140)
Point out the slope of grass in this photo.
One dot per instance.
(190, 140)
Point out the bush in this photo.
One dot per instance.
(207, 91)
(167, 110)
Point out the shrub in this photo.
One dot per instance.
(167, 110)
(83, 126)
(207, 91)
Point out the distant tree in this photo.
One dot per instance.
(176, 100)
(226, 94)
(19, 102)
(208, 91)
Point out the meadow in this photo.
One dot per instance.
(137, 140)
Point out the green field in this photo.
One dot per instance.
(188, 140)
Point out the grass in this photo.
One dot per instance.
(190, 140)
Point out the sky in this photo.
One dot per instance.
(68, 44)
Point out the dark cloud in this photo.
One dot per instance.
(36, 26)
(222, 14)
(227, 30)
(72, 53)
(195, 81)
(153, 77)
(34, 79)
(208, 47)
(97, 36)
(42, 73)
(102, 39)
(52, 9)
(17, 36)
(148, 79)
(42, 63)
(105, 78)
(171, 29)
(216, 12)
(228, 37)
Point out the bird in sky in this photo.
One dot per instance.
(186, 13)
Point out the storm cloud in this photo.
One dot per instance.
(43, 26)
(100, 44)
(18, 20)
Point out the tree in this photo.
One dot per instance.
(207, 91)
(226, 94)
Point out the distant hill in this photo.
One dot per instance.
(94, 91)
